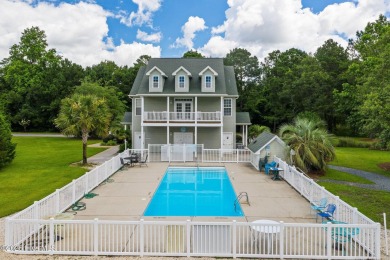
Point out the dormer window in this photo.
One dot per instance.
(208, 81)
(155, 81)
(208, 78)
(181, 81)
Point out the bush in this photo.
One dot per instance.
(7, 148)
(349, 142)
(109, 137)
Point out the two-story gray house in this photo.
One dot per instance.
(185, 101)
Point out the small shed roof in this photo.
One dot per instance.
(243, 118)
(127, 119)
(262, 140)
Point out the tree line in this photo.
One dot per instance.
(348, 87)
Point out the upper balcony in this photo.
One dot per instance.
(181, 117)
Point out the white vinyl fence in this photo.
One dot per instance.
(186, 238)
(34, 231)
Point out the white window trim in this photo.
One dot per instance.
(158, 81)
(231, 106)
(140, 106)
(205, 81)
(179, 82)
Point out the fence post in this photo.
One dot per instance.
(202, 146)
(95, 236)
(51, 236)
(337, 207)
(281, 239)
(141, 237)
(57, 200)
(234, 236)
(378, 241)
(73, 190)
(354, 217)
(188, 235)
(36, 213)
(328, 239)
(237, 151)
(86, 182)
(8, 233)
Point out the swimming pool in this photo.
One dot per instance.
(192, 191)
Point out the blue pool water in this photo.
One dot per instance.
(188, 191)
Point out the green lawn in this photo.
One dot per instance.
(41, 165)
(343, 176)
(362, 159)
(372, 203)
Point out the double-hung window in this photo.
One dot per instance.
(208, 81)
(227, 107)
(137, 106)
(155, 81)
(181, 81)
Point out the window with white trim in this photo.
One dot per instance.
(181, 81)
(208, 81)
(227, 107)
(155, 81)
(137, 106)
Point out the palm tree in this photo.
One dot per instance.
(255, 130)
(310, 141)
(82, 114)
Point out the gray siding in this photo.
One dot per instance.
(210, 137)
(186, 82)
(229, 122)
(155, 104)
(276, 149)
(209, 104)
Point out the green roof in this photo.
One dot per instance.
(127, 118)
(225, 82)
(243, 118)
(260, 141)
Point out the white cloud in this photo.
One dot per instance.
(193, 25)
(262, 26)
(153, 37)
(144, 14)
(77, 31)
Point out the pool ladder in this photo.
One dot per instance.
(242, 194)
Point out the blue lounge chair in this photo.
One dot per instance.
(269, 166)
(328, 213)
(319, 205)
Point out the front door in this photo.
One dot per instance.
(227, 141)
(183, 109)
(137, 140)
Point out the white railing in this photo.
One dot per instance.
(162, 116)
(29, 232)
(186, 238)
(314, 192)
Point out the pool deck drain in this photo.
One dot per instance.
(127, 197)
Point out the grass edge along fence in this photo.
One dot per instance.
(28, 233)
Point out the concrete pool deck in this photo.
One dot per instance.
(127, 194)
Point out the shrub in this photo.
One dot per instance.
(108, 138)
(7, 148)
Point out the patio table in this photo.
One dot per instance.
(266, 231)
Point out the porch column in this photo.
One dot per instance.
(142, 123)
(167, 109)
(243, 135)
(222, 122)
(246, 135)
(167, 134)
(196, 120)
(196, 134)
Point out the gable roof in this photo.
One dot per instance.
(127, 119)
(262, 140)
(181, 68)
(225, 82)
(155, 68)
(206, 69)
(243, 118)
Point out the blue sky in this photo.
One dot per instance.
(88, 32)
